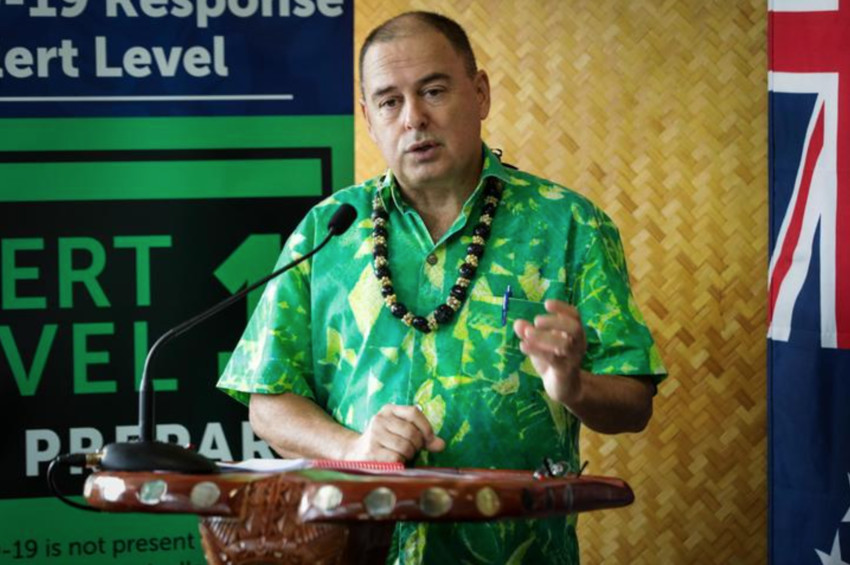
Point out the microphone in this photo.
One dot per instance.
(342, 219)
(147, 454)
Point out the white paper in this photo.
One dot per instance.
(265, 465)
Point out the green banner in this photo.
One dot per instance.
(154, 155)
(115, 230)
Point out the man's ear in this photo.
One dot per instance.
(365, 111)
(482, 90)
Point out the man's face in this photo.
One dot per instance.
(424, 110)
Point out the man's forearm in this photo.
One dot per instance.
(612, 404)
(295, 426)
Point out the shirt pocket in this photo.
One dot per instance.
(519, 309)
(491, 350)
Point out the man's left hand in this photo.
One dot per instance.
(556, 344)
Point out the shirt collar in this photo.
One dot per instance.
(390, 195)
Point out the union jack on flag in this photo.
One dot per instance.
(809, 282)
(808, 52)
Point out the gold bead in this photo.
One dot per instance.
(486, 219)
(385, 281)
(391, 299)
(453, 303)
(379, 240)
(432, 322)
(472, 260)
(477, 239)
(491, 200)
(463, 281)
(380, 261)
(408, 318)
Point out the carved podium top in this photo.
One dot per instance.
(329, 516)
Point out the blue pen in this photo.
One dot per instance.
(505, 305)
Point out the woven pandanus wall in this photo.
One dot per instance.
(656, 110)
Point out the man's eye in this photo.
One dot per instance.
(389, 103)
(434, 92)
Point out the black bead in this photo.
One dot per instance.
(491, 189)
(488, 209)
(421, 324)
(458, 292)
(382, 272)
(443, 313)
(387, 290)
(380, 250)
(467, 270)
(475, 249)
(482, 230)
(382, 214)
(379, 231)
(398, 310)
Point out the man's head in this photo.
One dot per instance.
(424, 99)
(402, 25)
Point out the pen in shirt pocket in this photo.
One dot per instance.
(505, 300)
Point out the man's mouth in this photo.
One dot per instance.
(422, 147)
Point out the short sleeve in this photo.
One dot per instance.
(618, 340)
(274, 354)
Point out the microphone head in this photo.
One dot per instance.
(342, 219)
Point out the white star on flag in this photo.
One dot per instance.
(834, 557)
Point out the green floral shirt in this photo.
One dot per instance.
(322, 331)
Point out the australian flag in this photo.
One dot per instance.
(809, 282)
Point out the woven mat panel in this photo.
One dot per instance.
(656, 111)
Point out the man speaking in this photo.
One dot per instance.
(474, 316)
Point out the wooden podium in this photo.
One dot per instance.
(322, 515)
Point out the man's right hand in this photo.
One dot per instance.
(396, 434)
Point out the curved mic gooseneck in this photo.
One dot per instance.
(147, 454)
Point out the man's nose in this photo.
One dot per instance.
(416, 115)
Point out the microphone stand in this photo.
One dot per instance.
(147, 454)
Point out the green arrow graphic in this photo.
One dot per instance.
(251, 261)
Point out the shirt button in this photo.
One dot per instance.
(431, 259)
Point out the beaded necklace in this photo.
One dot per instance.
(474, 251)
